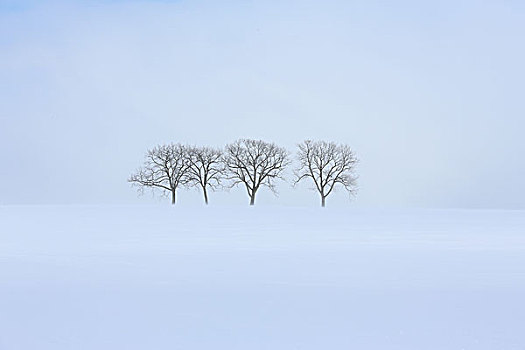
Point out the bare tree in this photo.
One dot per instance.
(205, 168)
(327, 164)
(165, 168)
(255, 163)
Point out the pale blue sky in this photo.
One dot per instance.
(430, 95)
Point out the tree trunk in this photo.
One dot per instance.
(205, 195)
(323, 202)
(252, 199)
(173, 196)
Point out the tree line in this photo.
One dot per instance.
(252, 164)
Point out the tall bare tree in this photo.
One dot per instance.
(164, 168)
(205, 168)
(327, 164)
(255, 163)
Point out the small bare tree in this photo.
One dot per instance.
(255, 163)
(205, 168)
(327, 164)
(165, 168)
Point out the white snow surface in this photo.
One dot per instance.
(160, 277)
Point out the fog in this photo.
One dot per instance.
(429, 95)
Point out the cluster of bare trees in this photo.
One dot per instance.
(252, 164)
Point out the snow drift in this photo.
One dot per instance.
(158, 277)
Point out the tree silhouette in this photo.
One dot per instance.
(164, 168)
(255, 163)
(327, 165)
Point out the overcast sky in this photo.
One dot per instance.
(430, 94)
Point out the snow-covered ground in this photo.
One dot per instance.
(260, 278)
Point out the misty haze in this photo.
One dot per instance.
(262, 174)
